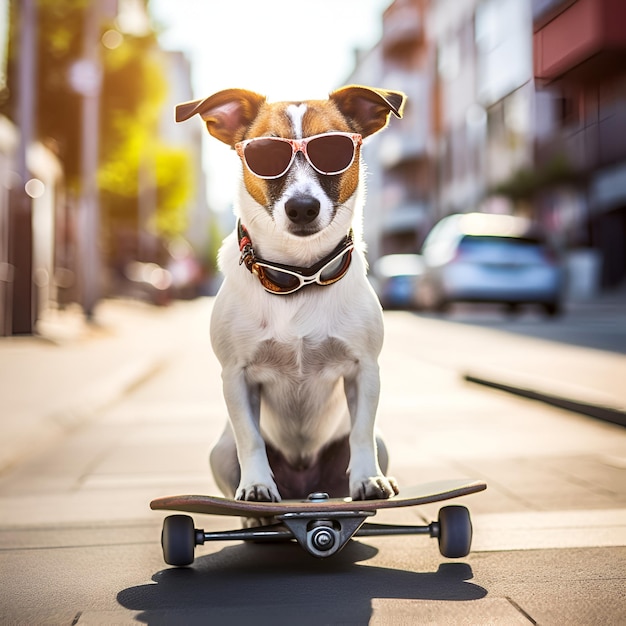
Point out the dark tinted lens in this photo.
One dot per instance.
(335, 269)
(332, 153)
(283, 280)
(268, 157)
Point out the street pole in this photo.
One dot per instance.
(89, 77)
(24, 312)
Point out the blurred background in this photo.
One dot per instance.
(516, 108)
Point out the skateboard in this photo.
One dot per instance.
(321, 525)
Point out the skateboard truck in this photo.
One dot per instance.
(322, 536)
(319, 534)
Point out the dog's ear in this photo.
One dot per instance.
(367, 107)
(227, 113)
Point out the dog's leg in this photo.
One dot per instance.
(225, 468)
(224, 463)
(243, 403)
(383, 454)
(367, 480)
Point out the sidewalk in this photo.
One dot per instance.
(52, 383)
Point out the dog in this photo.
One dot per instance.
(296, 326)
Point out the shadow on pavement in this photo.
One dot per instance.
(251, 584)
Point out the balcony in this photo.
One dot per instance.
(585, 41)
(398, 146)
(402, 29)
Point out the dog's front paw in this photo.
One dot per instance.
(374, 488)
(258, 492)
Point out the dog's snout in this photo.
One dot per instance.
(302, 209)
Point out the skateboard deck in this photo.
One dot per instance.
(321, 525)
(411, 496)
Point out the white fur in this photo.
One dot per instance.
(296, 113)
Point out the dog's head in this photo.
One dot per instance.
(301, 185)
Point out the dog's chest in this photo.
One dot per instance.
(300, 360)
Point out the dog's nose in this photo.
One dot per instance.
(302, 209)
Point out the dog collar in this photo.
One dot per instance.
(282, 279)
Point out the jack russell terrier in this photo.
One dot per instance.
(296, 325)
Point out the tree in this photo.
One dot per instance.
(134, 159)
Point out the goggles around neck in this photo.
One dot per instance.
(282, 279)
(271, 157)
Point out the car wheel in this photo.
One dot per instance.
(441, 305)
(552, 309)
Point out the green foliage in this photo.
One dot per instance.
(133, 158)
(144, 165)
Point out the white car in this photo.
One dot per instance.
(480, 257)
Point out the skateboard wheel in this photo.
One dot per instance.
(178, 540)
(455, 532)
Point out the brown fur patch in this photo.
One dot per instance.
(257, 187)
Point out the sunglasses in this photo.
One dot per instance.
(271, 157)
(282, 279)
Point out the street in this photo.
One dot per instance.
(79, 544)
(598, 324)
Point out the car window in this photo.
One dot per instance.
(493, 249)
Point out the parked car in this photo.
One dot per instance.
(479, 257)
(396, 280)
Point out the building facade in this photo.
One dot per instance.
(580, 64)
(515, 106)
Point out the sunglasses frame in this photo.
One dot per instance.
(299, 145)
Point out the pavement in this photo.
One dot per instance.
(55, 381)
(97, 420)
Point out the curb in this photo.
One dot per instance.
(600, 411)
